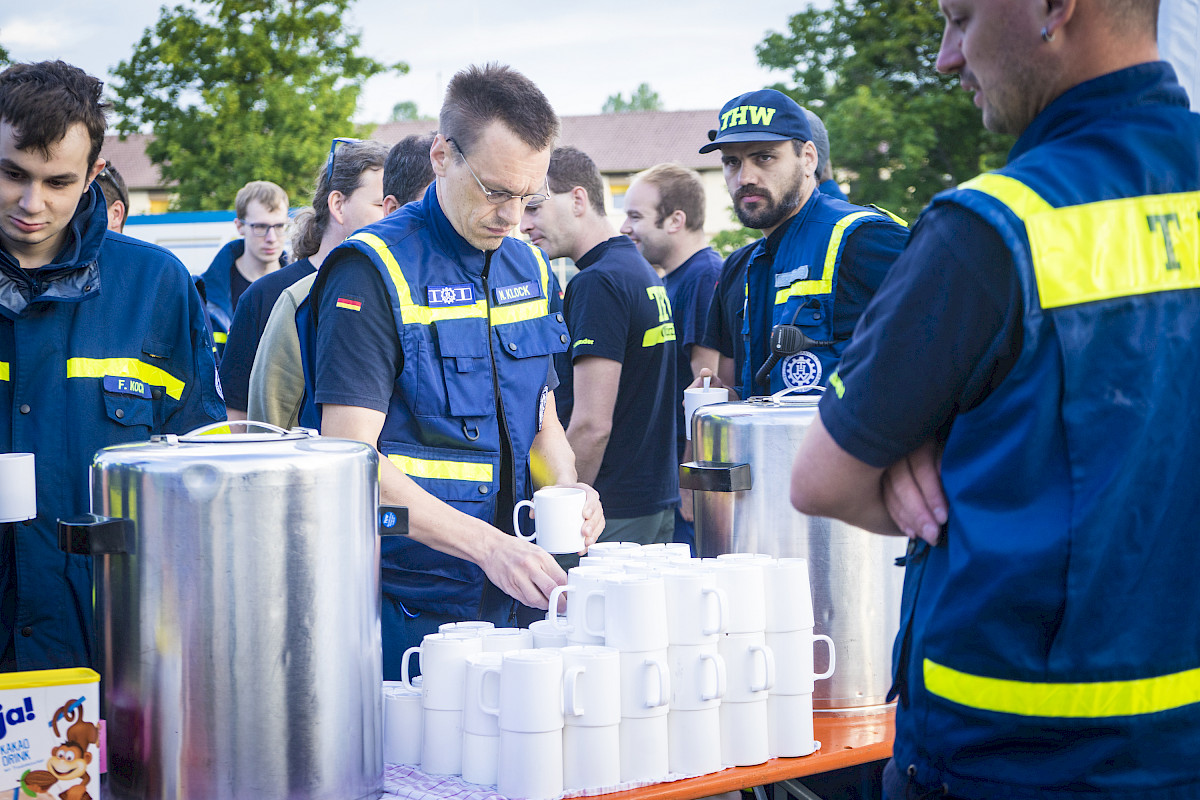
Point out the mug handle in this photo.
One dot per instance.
(829, 642)
(493, 711)
(404, 662)
(559, 623)
(664, 686)
(718, 670)
(587, 602)
(768, 667)
(722, 609)
(570, 692)
(517, 521)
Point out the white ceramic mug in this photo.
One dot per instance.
(790, 725)
(697, 676)
(402, 725)
(744, 734)
(481, 691)
(582, 582)
(475, 625)
(742, 581)
(788, 595)
(443, 659)
(530, 691)
(531, 764)
(613, 549)
(694, 741)
(18, 487)
(697, 397)
(546, 634)
(635, 613)
(697, 609)
(749, 667)
(645, 684)
(480, 758)
(591, 686)
(501, 640)
(670, 549)
(441, 742)
(793, 652)
(591, 757)
(644, 749)
(557, 517)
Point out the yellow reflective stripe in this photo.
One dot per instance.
(1110, 248)
(3, 370)
(824, 285)
(835, 381)
(1064, 700)
(220, 337)
(389, 261)
(125, 368)
(663, 333)
(443, 470)
(893, 217)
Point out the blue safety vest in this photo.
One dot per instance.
(471, 325)
(113, 349)
(1051, 645)
(798, 287)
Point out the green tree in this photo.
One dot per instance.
(726, 241)
(406, 111)
(4, 57)
(643, 98)
(897, 128)
(241, 90)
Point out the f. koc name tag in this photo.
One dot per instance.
(515, 294)
(121, 385)
(461, 294)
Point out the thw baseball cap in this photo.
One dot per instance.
(762, 116)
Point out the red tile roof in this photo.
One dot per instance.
(616, 142)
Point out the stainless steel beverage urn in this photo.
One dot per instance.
(237, 605)
(741, 480)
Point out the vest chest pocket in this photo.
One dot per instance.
(540, 336)
(466, 370)
(129, 408)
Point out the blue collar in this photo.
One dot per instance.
(1151, 83)
(446, 237)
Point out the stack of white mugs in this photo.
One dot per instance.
(672, 666)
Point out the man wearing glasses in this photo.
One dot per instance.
(429, 335)
(262, 217)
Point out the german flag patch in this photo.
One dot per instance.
(350, 303)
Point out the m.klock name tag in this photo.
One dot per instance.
(518, 293)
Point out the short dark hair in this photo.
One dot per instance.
(408, 169)
(113, 186)
(478, 96)
(679, 189)
(1126, 15)
(352, 161)
(43, 100)
(571, 167)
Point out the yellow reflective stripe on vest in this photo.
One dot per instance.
(1107, 249)
(3, 370)
(659, 335)
(125, 368)
(1064, 700)
(824, 285)
(443, 470)
(413, 314)
(220, 337)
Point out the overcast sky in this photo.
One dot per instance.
(695, 54)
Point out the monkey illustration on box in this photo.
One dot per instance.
(68, 761)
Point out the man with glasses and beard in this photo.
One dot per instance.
(429, 336)
(818, 264)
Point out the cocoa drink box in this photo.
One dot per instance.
(50, 735)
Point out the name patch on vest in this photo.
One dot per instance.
(459, 294)
(515, 294)
(131, 386)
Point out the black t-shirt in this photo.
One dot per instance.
(727, 311)
(942, 332)
(245, 332)
(237, 285)
(690, 288)
(612, 312)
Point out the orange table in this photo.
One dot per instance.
(845, 742)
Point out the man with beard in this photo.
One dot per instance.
(818, 264)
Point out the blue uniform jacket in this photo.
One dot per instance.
(105, 345)
(472, 325)
(800, 286)
(1051, 645)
